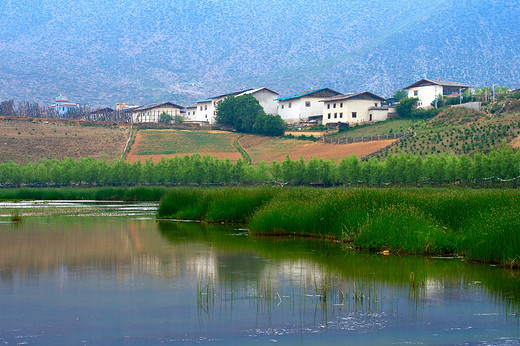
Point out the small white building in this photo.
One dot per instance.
(303, 106)
(206, 110)
(191, 112)
(151, 113)
(354, 108)
(427, 90)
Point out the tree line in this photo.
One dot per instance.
(500, 166)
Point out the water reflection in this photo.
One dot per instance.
(174, 281)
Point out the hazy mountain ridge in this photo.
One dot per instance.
(141, 52)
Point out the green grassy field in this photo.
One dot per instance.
(164, 142)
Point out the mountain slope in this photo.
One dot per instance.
(147, 51)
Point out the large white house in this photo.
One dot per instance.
(427, 90)
(151, 113)
(206, 110)
(303, 106)
(354, 108)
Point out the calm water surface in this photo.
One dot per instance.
(108, 273)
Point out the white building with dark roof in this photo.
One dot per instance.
(151, 113)
(303, 106)
(206, 109)
(427, 90)
(354, 108)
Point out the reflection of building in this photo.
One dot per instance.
(62, 105)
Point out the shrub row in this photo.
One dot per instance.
(399, 169)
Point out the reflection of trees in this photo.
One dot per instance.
(194, 251)
(315, 263)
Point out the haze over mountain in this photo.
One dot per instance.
(102, 52)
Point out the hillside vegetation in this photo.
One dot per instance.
(464, 131)
(454, 130)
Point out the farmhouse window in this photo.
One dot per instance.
(206, 107)
(307, 103)
(341, 115)
(329, 115)
(282, 106)
(341, 104)
(200, 107)
(328, 106)
(334, 105)
(375, 104)
(415, 92)
(354, 114)
(290, 104)
(335, 115)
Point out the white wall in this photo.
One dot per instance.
(425, 94)
(204, 111)
(191, 113)
(267, 100)
(343, 112)
(301, 108)
(378, 114)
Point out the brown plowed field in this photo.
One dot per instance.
(27, 140)
(338, 151)
(276, 149)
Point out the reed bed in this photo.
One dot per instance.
(484, 225)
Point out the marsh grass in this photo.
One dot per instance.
(483, 224)
(214, 205)
(16, 216)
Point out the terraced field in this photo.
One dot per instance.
(27, 140)
(155, 144)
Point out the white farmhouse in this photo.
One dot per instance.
(427, 90)
(206, 110)
(151, 113)
(354, 108)
(303, 106)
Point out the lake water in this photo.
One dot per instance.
(108, 273)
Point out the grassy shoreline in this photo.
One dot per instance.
(482, 225)
(136, 193)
